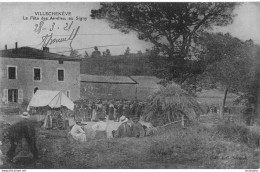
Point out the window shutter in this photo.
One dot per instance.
(5, 96)
(20, 96)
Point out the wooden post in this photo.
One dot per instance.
(222, 108)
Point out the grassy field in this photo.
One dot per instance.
(215, 97)
(198, 146)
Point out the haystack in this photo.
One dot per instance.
(169, 104)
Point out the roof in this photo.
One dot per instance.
(146, 81)
(106, 79)
(33, 53)
(51, 98)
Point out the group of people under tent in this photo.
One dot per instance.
(91, 110)
(128, 128)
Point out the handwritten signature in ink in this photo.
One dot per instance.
(50, 38)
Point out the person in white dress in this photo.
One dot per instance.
(48, 120)
(78, 133)
(100, 128)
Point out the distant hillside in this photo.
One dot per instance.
(117, 65)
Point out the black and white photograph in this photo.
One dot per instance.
(129, 85)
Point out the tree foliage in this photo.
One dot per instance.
(75, 54)
(173, 28)
(106, 53)
(127, 51)
(230, 63)
(96, 53)
(227, 60)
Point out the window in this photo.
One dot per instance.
(12, 72)
(60, 75)
(13, 95)
(68, 94)
(36, 74)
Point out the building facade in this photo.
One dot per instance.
(118, 87)
(25, 70)
(107, 87)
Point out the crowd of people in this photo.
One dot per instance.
(91, 110)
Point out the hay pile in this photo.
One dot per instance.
(169, 104)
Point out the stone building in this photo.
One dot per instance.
(107, 87)
(117, 87)
(25, 70)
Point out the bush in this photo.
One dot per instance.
(239, 133)
(204, 145)
(180, 145)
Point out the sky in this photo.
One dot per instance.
(18, 25)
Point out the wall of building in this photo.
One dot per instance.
(49, 80)
(115, 91)
(107, 91)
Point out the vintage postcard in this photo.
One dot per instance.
(129, 85)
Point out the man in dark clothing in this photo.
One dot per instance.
(137, 128)
(139, 110)
(124, 130)
(16, 132)
(127, 111)
(134, 109)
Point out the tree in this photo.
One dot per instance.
(139, 52)
(75, 54)
(251, 94)
(96, 53)
(127, 51)
(108, 52)
(228, 61)
(171, 27)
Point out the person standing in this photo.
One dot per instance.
(94, 113)
(116, 108)
(120, 111)
(48, 120)
(127, 110)
(99, 110)
(111, 111)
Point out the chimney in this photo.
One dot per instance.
(16, 45)
(46, 49)
(5, 47)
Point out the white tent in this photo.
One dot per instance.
(54, 99)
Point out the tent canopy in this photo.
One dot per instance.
(54, 99)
